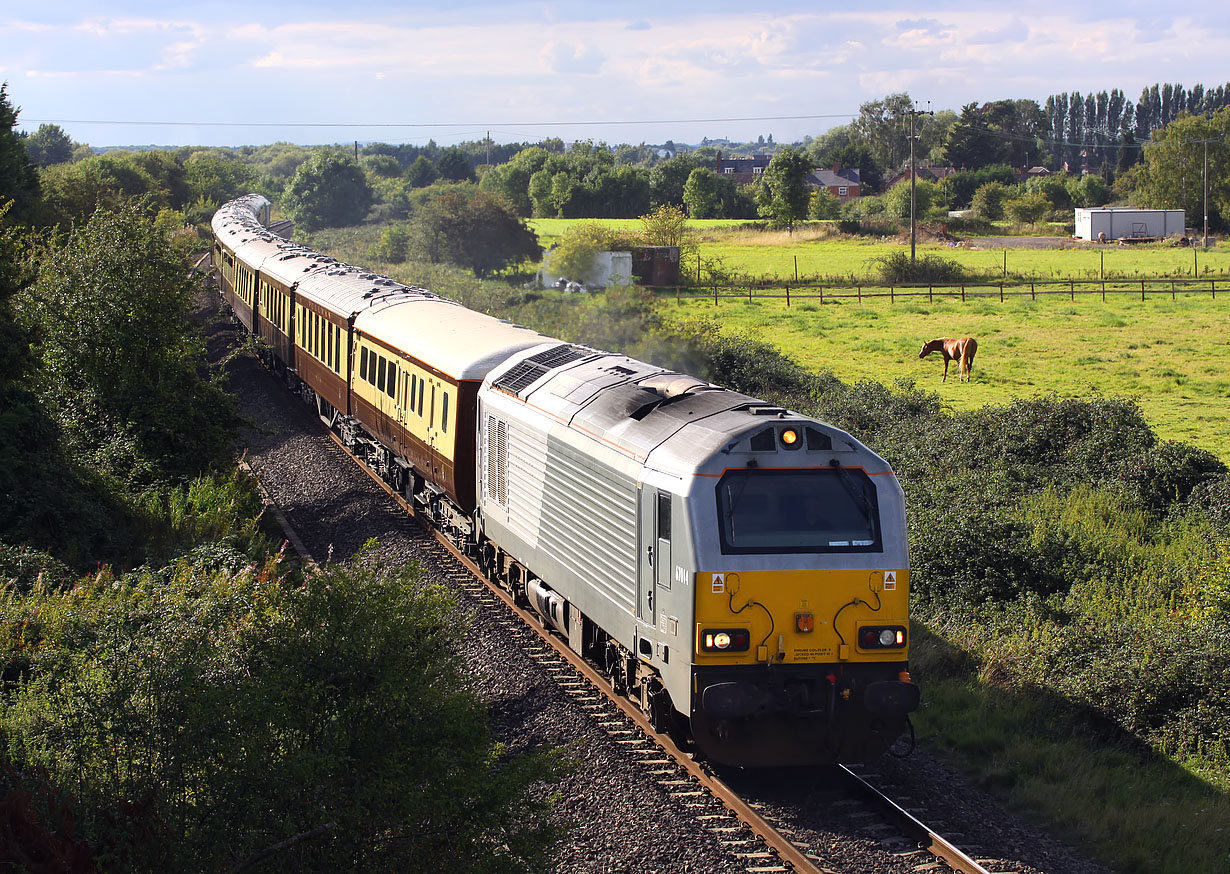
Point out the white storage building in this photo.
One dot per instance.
(1128, 224)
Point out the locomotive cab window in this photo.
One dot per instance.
(798, 511)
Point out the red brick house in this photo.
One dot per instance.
(844, 183)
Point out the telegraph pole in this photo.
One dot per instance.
(914, 113)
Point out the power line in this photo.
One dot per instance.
(395, 125)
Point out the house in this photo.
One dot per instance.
(925, 173)
(844, 183)
(742, 171)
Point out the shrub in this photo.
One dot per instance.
(898, 268)
(394, 244)
(205, 713)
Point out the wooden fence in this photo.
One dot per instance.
(1071, 287)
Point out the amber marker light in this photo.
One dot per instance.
(805, 622)
(790, 436)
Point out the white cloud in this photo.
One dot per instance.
(576, 57)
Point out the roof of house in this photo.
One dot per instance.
(830, 178)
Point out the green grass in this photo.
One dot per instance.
(1171, 357)
(1133, 810)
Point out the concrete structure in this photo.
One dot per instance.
(610, 268)
(1129, 224)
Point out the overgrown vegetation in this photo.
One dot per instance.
(175, 692)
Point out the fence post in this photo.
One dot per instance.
(860, 294)
(1172, 289)
(1213, 288)
(788, 292)
(715, 303)
(930, 289)
(796, 268)
(822, 294)
(1001, 292)
(749, 294)
(891, 291)
(1103, 291)
(1142, 289)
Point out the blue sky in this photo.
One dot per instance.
(258, 72)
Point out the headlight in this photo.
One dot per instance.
(882, 637)
(720, 640)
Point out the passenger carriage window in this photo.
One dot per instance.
(380, 373)
(431, 413)
(413, 386)
(363, 363)
(390, 388)
(444, 415)
(422, 391)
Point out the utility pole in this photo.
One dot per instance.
(1206, 193)
(1206, 141)
(914, 113)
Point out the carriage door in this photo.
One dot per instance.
(656, 567)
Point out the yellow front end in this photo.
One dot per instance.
(800, 667)
(796, 617)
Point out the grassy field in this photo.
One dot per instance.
(1172, 357)
(816, 252)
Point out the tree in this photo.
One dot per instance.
(1028, 209)
(972, 144)
(454, 166)
(668, 180)
(465, 225)
(218, 179)
(783, 196)
(926, 195)
(18, 178)
(824, 205)
(328, 190)
(119, 353)
(988, 201)
(49, 145)
(881, 125)
(700, 194)
(1173, 167)
(665, 226)
(511, 180)
(421, 173)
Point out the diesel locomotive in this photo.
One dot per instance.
(738, 569)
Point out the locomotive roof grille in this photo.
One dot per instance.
(525, 373)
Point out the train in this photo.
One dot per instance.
(737, 569)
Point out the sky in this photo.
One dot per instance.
(137, 72)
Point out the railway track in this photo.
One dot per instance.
(760, 844)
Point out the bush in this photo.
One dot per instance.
(394, 244)
(1028, 209)
(988, 201)
(898, 268)
(204, 714)
(574, 253)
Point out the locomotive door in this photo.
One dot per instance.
(656, 568)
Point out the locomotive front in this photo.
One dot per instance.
(801, 594)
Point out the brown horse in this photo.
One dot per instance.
(959, 350)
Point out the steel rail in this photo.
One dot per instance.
(785, 850)
(928, 840)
